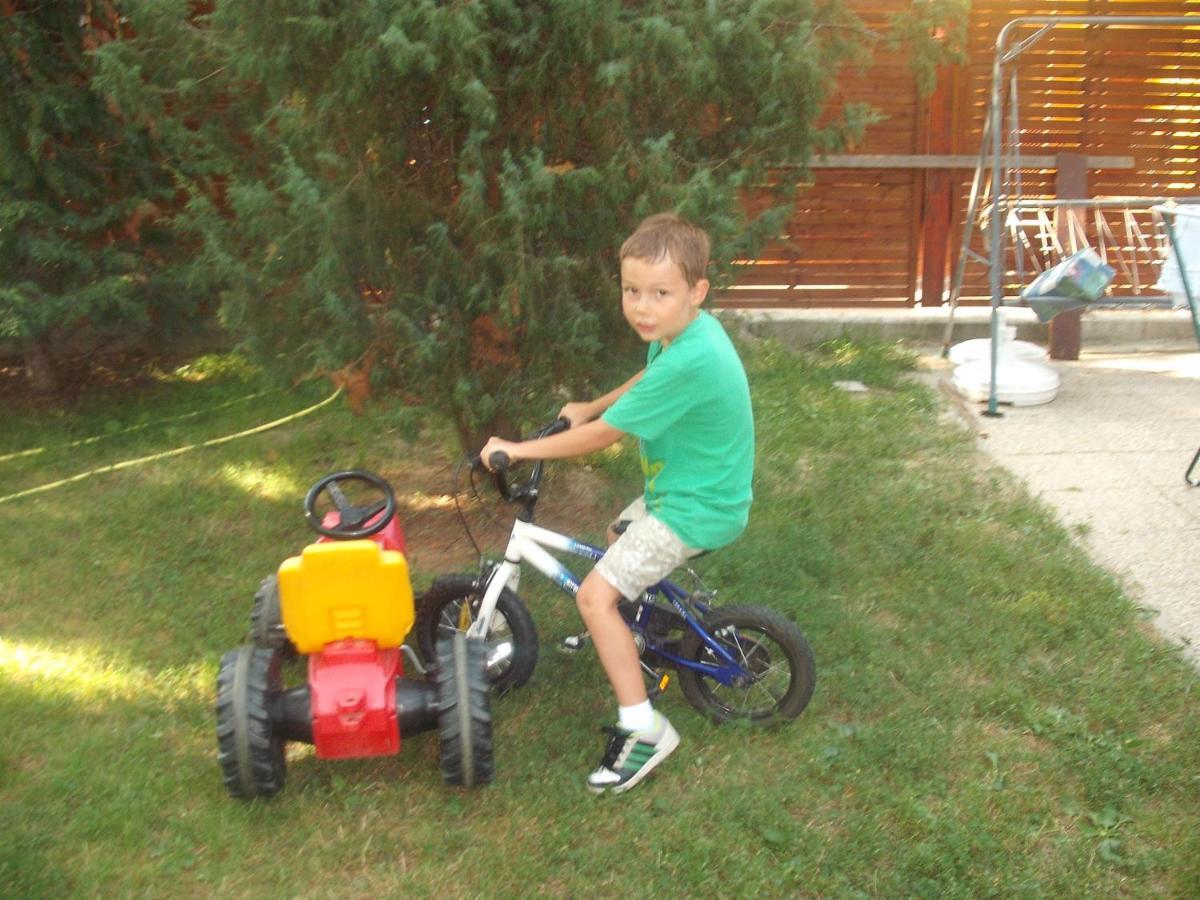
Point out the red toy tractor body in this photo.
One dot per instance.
(352, 681)
(346, 603)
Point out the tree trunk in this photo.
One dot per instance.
(40, 368)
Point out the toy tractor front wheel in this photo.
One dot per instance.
(250, 753)
(464, 717)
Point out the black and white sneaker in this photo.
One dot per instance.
(631, 755)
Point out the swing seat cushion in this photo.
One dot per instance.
(345, 589)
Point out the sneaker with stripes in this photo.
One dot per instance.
(631, 755)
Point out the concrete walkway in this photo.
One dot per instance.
(1109, 453)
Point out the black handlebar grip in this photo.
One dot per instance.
(498, 461)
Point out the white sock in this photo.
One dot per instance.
(636, 718)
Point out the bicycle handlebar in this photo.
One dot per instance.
(499, 463)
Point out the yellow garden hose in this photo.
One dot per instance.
(130, 463)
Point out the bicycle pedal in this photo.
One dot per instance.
(659, 681)
(664, 682)
(573, 643)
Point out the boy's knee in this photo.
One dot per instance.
(595, 595)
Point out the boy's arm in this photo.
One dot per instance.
(578, 413)
(586, 438)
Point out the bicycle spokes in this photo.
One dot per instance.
(765, 677)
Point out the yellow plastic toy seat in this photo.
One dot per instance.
(345, 589)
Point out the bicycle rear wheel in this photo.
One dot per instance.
(781, 670)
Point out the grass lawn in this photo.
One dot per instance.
(993, 717)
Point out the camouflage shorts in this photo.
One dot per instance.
(645, 554)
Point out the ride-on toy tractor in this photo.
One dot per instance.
(346, 603)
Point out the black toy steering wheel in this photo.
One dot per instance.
(352, 519)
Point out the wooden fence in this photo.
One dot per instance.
(881, 225)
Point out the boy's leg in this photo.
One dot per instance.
(616, 528)
(631, 753)
(597, 602)
(645, 553)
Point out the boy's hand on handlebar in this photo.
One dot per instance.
(495, 444)
(576, 413)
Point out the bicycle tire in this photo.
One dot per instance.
(748, 632)
(512, 643)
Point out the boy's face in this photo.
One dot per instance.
(657, 300)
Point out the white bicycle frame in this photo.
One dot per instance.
(528, 543)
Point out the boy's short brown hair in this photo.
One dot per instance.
(670, 235)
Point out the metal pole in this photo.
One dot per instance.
(995, 238)
(1092, 20)
(965, 247)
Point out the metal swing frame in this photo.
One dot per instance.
(1005, 168)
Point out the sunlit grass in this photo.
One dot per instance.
(89, 674)
(211, 366)
(419, 500)
(78, 674)
(262, 480)
(992, 716)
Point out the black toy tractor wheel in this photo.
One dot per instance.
(251, 755)
(266, 619)
(464, 713)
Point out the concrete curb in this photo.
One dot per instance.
(1126, 329)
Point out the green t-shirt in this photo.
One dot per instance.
(691, 412)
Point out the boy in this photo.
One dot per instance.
(690, 409)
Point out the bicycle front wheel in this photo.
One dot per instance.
(451, 605)
(778, 661)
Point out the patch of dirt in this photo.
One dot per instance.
(574, 500)
(887, 619)
(92, 364)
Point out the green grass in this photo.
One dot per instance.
(992, 717)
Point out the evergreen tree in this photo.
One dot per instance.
(85, 241)
(441, 188)
(432, 191)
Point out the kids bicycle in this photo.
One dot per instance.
(733, 662)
